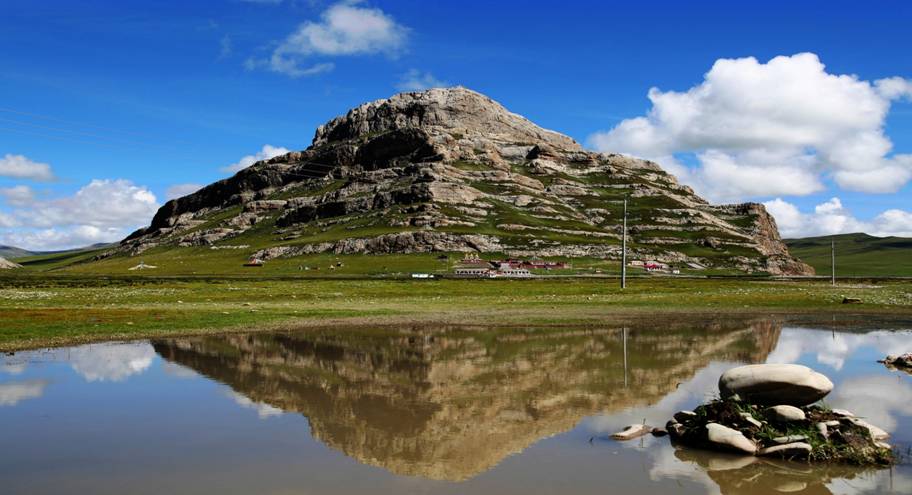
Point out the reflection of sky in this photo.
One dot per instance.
(11, 393)
(117, 415)
(831, 349)
(110, 362)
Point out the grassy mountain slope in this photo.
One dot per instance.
(856, 254)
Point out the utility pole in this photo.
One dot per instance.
(833, 261)
(624, 249)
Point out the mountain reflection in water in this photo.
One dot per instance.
(451, 403)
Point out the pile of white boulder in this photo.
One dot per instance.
(769, 410)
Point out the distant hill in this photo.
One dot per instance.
(10, 252)
(856, 254)
(13, 252)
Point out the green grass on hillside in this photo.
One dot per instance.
(857, 255)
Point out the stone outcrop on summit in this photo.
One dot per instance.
(452, 170)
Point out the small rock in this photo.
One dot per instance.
(789, 439)
(876, 433)
(831, 423)
(684, 416)
(851, 300)
(658, 432)
(632, 431)
(842, 413)
(771, 384)
(883, 445)
(675, 429)
(823, 430)
(797, 449)
(729, 439)
(750, 419)
(787, 414)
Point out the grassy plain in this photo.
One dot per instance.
(40, 310)
(857, 255)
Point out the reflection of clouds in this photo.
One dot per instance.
(13, 392)
(111, 362)
(876, 398)
(833, 348)
(665, 465)
(178, 371)
(263, 410)
(704, 385)
(12, 368)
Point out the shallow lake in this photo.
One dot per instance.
(430, 409)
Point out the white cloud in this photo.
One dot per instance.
(345, 28)
(225, 47)
(20, 195)
(20, 167)
(831, 217)
(11, 393)
(102, 211)
(894, 88)
(111, 362)
(415, 80)
(180, 190)
(767, 129)
(268, 151)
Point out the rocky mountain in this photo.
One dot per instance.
(452, 170)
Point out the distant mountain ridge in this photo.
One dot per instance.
(13, 252)
(857, 254)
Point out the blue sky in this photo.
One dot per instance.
(105, 106)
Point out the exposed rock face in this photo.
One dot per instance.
(8, 265)
(789, 384)
(454, 163)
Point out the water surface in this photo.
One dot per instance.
(428, 409)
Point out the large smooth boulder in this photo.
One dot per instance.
(773, 384)
(725, 438)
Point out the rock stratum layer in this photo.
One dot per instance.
(453, 170)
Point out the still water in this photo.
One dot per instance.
(428, 409)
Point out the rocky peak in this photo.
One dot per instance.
(449, 116)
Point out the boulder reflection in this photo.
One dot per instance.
(449, 403)
(756, 475)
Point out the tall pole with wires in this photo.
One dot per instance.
(624, 249)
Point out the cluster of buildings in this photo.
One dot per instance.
(653, 266)
(473, 266)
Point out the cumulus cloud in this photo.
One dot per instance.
(415, 80)
(20, 167)
(104, 210)
(111, 362)
(346, 28)
(770, 129)
(831, 217)
(268, 151)
(20, 195)
(11, 393)
(181, 190)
